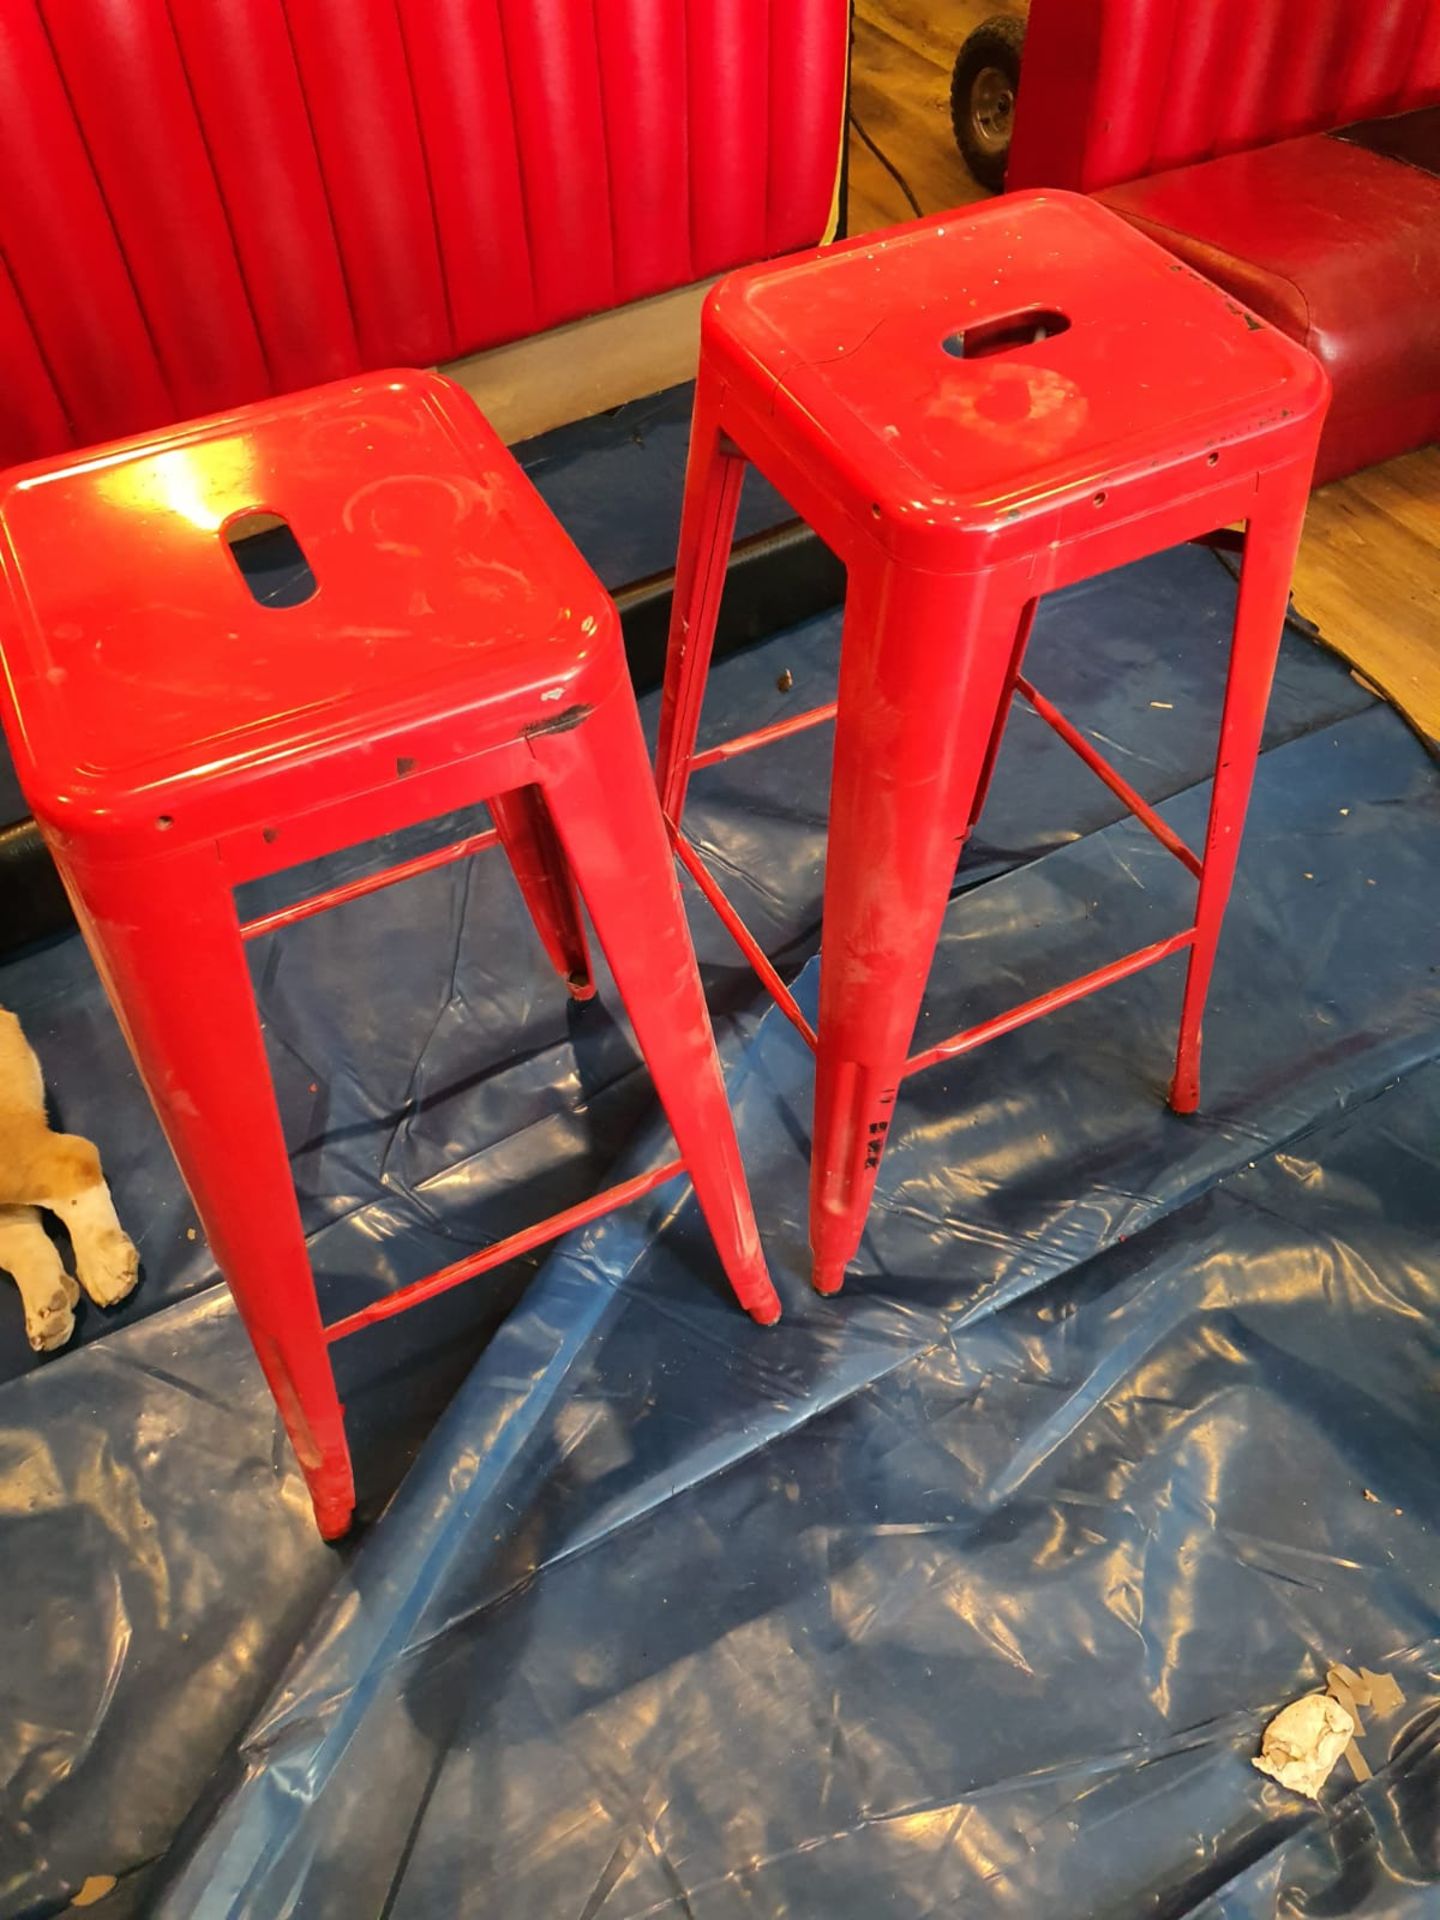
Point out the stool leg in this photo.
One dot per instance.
(911, 742)
(543, 875)
(1271, 541)
(997, 736)
(166, 941)
(714, 473)
(602, 798)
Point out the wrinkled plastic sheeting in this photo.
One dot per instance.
(437, 1089)
(160, 1561)
(972, 1589)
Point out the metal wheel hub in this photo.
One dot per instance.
(992, 109)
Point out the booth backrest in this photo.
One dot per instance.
(1112, 90)
(210, 200)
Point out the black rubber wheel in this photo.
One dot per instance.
(982, 97)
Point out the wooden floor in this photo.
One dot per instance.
(1369, 572)
(1369, 578)
(900, 95)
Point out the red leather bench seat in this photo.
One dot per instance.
(1336, 240)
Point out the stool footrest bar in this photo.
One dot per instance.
(1102, 768)
(972, 1037)
(525, 1241)
(762, 736)
(367, 883)
(742, 937)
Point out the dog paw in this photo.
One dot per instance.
(108, 1267)
(50, 1320)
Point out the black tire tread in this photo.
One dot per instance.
(996, 42)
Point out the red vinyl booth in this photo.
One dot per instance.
(1209, 127)
(211, 200)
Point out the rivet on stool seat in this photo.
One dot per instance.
(175, 739)
(972, 411)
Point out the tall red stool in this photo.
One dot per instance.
(972, 411)
(175, 738)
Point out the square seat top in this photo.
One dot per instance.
(136, 654)
(981, 367)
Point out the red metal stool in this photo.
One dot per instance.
(175, 739)
(972, 411)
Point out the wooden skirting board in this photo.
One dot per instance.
(587, 367)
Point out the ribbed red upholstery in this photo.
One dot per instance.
(212, 199)
(1113, 90)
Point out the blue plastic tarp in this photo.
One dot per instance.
(966, 1592)
(970, 1590)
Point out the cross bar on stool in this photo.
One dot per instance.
(510, 1248)
(762, 737)
(526, 1239)
(742, 936)
(367, 883)
(971, 1037)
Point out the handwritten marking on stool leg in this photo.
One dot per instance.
(875, 1143)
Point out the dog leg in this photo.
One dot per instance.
(49, 1294)
(106, 1264)
(60, 1171)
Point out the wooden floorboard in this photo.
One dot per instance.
(900, 94)
(1369, 578)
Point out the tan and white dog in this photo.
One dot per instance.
(60, 1171)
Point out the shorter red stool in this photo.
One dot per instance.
(175, 739)
(972, 411)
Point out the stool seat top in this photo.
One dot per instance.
(136, 656)
(988, 366)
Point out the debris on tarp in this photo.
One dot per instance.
(94, 1889)
(1376, 1692)
(1304, 1740)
